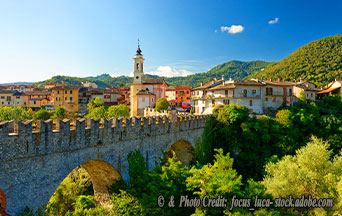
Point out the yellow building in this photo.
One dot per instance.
(66, 97)
(37, 99)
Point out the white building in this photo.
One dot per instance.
(257, 95)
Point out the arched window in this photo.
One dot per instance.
(137, 66)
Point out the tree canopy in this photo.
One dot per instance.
(162, 104)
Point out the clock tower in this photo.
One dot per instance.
(138, 72)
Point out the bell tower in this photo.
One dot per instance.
(138, 72)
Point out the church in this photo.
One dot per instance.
(144, 92)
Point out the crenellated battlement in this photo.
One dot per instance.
(30, 138)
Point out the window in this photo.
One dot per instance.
(213, 102)
(2, 97)
(176, 92)
(253, 91)
(17, 97)
(66, 98)
(187, 92)
(152, 99)
(273, 99)
(70, 98)
(269, 91)
(311, 94)
(34, 102)
(245, 92)
(143, 99)
(58, 92)
(226, 93)
(250, 103)
(266, 99)
(70, 91)
(226, 102)
(66, 92)
(8, 98)
(290, 92)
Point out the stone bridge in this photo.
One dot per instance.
(35, 157)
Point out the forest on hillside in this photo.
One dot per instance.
(234, 69)
(319, 62)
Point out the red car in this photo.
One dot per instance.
(185, 105)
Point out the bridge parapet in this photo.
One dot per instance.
(21, 139)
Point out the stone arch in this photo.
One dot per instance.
(183, 150)
(3, 201)
(103, 175)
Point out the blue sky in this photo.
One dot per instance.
(39, 39)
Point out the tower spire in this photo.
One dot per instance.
(138, 50)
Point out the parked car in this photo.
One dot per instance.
(185, 105)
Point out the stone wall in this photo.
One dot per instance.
(34, 161)
(150, 112)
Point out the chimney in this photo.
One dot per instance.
(335, 79)
(215, 79)
(271, 79)
(213, 82)
(222, 77)
(201, 83)
(278, 79)
(301, 79)
(223, 83)
(230, 79)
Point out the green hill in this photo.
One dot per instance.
(319, 62)
(234, 69)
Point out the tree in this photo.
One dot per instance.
(97, 112)
(118, 111)
(13, 113)
(42, 114)
(311, 171)
(284, 117)
(97, 102)
(214, 179)
(162, 104)
(59, 113)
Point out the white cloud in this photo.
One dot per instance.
(274, 21)
(168, 71)
(232, 29)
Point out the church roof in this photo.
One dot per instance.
(144, 92)
(153, 81)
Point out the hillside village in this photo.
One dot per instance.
(258, 95)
